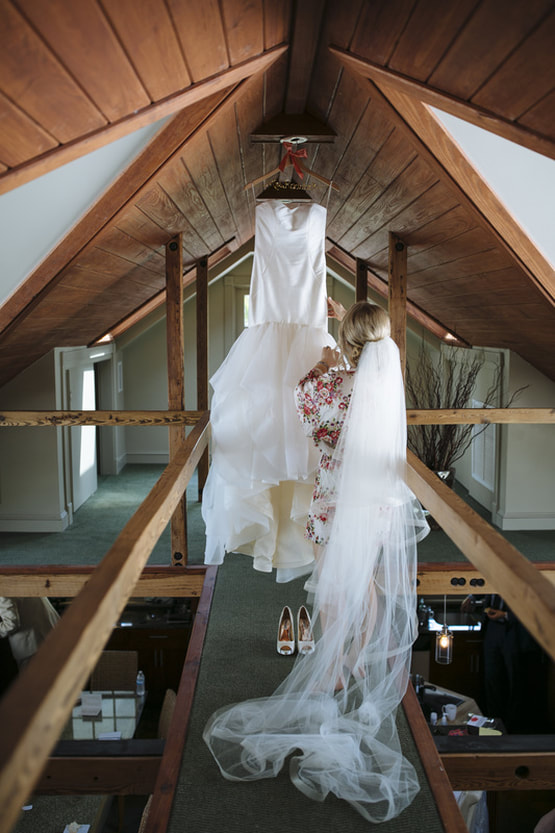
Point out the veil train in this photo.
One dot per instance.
(335, 712)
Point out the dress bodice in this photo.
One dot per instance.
(288, 283)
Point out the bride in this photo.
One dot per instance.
(336, 710)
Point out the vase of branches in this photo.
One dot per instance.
(447, 383)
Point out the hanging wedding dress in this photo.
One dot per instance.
(259, 486)
(336, 710)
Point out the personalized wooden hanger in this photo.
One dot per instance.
(293, 158)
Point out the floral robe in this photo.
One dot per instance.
(322, 403)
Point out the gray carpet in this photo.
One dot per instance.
(98, 522)
(240, 661)
(51, 813)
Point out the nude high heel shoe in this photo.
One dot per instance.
(286, 633)
(305, 637)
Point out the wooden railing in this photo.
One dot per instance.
(449, 416)
(39, 702)
(37, 706)
(526, 590)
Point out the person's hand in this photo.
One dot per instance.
(467, 605)
(335, 309)
(495, 615)
(330, 357)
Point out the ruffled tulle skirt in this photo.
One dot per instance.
(260, 484)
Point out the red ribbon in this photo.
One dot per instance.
(291, 157)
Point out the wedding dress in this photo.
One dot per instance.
(259, 486)
(336, 710)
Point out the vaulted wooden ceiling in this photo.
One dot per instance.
(76, 75)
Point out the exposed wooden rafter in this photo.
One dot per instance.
(51, 159)
(304, 44)
(397, 285)
(466, 110)
(218, 262)
(434, 144)
(111, 204)
(292, 124)
(176, 383)
(339, 260)
(439, 142)
(130, 185)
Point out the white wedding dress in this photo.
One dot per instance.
(260, 483)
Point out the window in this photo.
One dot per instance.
(246, 299)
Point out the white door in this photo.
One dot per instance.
(83, 438)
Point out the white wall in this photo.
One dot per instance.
(527, 476)
(143, 353)
(31, 471)
(145, 387)
(38, 485)
(494, 365)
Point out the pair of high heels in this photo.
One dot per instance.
(286, 632)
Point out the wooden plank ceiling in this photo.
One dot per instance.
(76, 75)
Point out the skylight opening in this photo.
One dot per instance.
(521, 178)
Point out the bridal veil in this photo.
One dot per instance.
(335, 712)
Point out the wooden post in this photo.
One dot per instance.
(176, 382)
(202, 357)
(361, 286)
(398, 295)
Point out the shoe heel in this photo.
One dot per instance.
(286, 633)
(305, 637)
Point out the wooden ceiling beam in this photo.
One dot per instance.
(228, 253)
(466, 110)
(132, 183)
(176, 384)
(436, 147)
(127, 187)
(340, 259)
(304, 43)
(293, 124)
(60, 155)
(482, 198)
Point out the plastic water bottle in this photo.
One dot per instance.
(140, 684)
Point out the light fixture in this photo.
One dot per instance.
(444, 640)
(294, 140)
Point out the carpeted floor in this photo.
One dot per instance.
(98, 522)
(240, 661)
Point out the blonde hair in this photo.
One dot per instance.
(361, 323)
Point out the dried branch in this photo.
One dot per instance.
(449, 384)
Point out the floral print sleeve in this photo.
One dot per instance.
(322, 402)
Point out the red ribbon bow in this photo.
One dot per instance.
(291, 157)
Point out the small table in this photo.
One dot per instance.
(121, 712)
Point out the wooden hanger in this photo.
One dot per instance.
(292, 158)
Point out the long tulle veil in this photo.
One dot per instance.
(338, 704)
